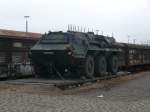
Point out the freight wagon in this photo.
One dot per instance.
(14, 50)
(135, 56)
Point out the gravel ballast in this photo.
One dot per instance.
(127, 94)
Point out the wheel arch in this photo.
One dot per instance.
(96, 53)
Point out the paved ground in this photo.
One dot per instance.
(129, 94)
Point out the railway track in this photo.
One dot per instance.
(62, 84)
(81, 82)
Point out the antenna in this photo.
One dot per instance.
(68, 27)
(78, 28)
(97, 32)
(128, 39)
(147, 42)
(102, 32)
(112, 34)
(84, 29)
(81, 28)
(134, 41)
(73, 28)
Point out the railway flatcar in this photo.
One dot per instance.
(86, 54)
(14, 50)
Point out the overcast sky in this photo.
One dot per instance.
(123, 17)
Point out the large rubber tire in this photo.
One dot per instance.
(100, 66)
(89, 67)
(113, 64)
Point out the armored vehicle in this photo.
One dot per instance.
(85, 54)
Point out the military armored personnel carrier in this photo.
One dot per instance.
(85, 54)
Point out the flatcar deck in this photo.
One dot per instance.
(62, 84)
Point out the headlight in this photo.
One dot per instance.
(69, 53)
(69, 48)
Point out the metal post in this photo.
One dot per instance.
(102, 32)
(84, 29)
(112, 34)
(128, 39)
(26, 26)
(97, 32)
(26, 17)
(134, 41)
(68, 27)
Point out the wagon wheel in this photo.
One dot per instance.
(37, 71)
(40, 71)
(100, 66)
(89, 67)
(113, 65)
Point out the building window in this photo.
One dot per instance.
(17, 44)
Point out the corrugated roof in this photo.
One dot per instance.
(19, 34)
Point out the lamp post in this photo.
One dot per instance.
(26, 17)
